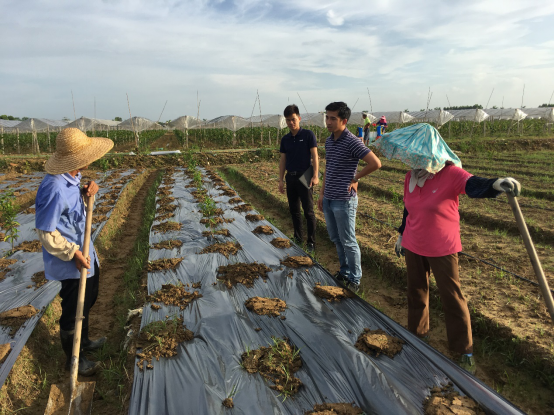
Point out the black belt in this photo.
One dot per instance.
(296, 173)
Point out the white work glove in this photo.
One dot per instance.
(507, 185)
(398, 249)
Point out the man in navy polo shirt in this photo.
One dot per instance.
(298, 152)
(340, 183)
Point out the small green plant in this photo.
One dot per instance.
(8, 212)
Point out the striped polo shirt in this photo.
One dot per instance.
(342, 157)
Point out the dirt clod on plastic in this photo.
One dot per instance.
(228, 402)
(332, 293)
(263, 229)
(281, 242)
(164, 217)
(166, 200)
(161, 339)
(276, 363)
(254, 217)
(235, 200)
(216, 220)
(164, 209)
(244, 273)
(39, 279)
(226, 249)
(163, 264)
(5, 263)
(297, 261)
(227, 191)
(335, 409)
(446, 401)
(29, 246)
(30, 211)
(99, 218)
(378, 342)
(4, 352)
(224, 232)
(166, 226)
(167, 245)
(176, 295)
(16, 317)
(102, 210)
(243, 208)
(265, 306)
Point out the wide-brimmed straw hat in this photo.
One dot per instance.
(74, 150)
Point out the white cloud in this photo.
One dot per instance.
(333, 19)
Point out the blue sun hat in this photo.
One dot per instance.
(420, 146)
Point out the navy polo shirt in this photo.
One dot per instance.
(342, 157)
(297, 148)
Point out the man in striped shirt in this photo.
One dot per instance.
(339, 189)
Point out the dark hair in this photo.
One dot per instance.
(342, 108)
(290, 110)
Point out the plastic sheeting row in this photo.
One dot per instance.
(207, 369)
(17, 288)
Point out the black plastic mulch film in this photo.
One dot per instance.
(18, 289)
(207, 369)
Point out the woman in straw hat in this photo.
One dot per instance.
(60, 224)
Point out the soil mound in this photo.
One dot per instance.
(163, 264)
(228, 402)
(378, 342)
(165, 190)
(224, 232)
(335, 409)
(297, 261)
(167, 245)
(276, 363)
(216, 220)
(4, 263)
(199, 195)
(223, 248)
(281, 242)
(243, 208)
(39, 279)
(160, 339)
(166, 226)
(244, 273)
(30, 246)
(227, 191)
(99, 218)
(102, 209)
(165, 200)
(254, 217)
(217, 212)
(235, 200)
(4, 352)
(332, 293)
(16, 317)
(176, 295)
(263, 229)
(164, 217)
(446, 401)
(164, 209)
(265, 306)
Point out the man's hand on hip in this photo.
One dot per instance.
(353, 185)
(90, 188)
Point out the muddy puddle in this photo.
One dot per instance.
(4, 352)
(276, 363)
(236, 200)
(15, 318)
(167, 245)
(164, 217)
(297, 261)
(165, 200)
(335, 409)
(263, 229)
(176, 295)
(224, 232)
(446, 401)
(265, 306)
(228, 248)
(244, 273)
(163, 264)
(97, 219)
(243, 208)
(332, 293)
(281, 242)
(29, 246)
(160, 339)
(39, 279)
(254, 217)
(164, 209)
(166, 226)
(378, 342)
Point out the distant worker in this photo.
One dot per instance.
(60, 223)
(430, 231)
(299, 156)
(367, 126)
(338, 197)
(381, 126)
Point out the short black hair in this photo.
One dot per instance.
(342, 108)
(290, 110)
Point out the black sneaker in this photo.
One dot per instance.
(341, 278)
(468, 363)
(310, 248)
(354, 287)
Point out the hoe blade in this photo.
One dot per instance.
(59, 399)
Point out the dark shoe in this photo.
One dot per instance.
(310, 248)
(354, 287)
(89, 345)
(468, 364)
(86, 367)
(341, 279)
(425, 339)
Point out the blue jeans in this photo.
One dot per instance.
(340, 217)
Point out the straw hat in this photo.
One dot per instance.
(74, 150)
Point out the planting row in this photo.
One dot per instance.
(239, 317)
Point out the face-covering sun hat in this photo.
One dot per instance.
(74, 150)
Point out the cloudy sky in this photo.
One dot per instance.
(168, 50)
